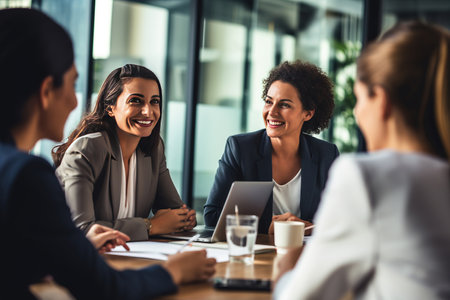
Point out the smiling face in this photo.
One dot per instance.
(283, 111)
(137, 109)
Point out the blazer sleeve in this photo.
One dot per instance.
(78, 172)
(332, 264)
(166, 194)
(229, 170)
(53, 245)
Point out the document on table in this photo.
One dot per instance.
(160, 251)
(259, 248)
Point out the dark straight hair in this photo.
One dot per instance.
(99, 119)
(33, 47)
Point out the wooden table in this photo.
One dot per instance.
(261, 269)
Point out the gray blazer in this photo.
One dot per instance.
(91, 173)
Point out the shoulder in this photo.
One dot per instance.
(93, 145)
(248, 145)
(16, 164)
(388, 171)
(14, 160)
(410, 167)
(90, 140)
(320, 151)
(250, 138)
(319, 144)
(348, 163)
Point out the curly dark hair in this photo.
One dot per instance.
(314, 88)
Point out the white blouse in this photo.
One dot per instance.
(128, 192)
(381, 231)
(286, 197)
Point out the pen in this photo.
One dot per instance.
(309, 227)
(192, 239)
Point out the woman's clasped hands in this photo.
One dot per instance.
(173, 220)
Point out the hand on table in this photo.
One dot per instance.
(289, 217)
(173, 220)
(190, 266)
(286, 262)
(105, 239)
(191, 219)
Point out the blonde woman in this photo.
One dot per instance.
(383, 225)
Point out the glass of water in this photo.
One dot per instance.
(241, 237)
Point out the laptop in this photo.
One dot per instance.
(251, 198)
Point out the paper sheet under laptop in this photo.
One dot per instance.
(259, 248)
(160, 251)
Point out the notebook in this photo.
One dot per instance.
(251, 198)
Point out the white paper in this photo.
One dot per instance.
(160, 251)
(259, 248)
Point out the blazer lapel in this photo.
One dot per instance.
(264, 173)
(264, 162)
(115, 183)
(309, 174)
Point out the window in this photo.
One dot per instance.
(157, 38)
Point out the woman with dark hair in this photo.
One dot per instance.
(383, 225)
(113, 169)
(298, 100)
(40, 238)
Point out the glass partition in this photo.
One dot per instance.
(14, 3)
(433, 11)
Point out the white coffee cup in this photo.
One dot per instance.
(288, 234)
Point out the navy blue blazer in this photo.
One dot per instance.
(248, 157)
(39, 238)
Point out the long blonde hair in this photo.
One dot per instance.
(411, 62)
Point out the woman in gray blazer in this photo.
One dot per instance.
(113, 168)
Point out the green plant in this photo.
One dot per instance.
(343, 128)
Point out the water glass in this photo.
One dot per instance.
(241, 237)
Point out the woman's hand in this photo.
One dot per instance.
(286, 262)
(190, 266)
(289, 217)
(173, 220)
(190, 218)
(105, 239)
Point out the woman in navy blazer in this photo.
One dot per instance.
(298, 100)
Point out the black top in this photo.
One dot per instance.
(39, 238)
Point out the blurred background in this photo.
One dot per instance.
(211, 57)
